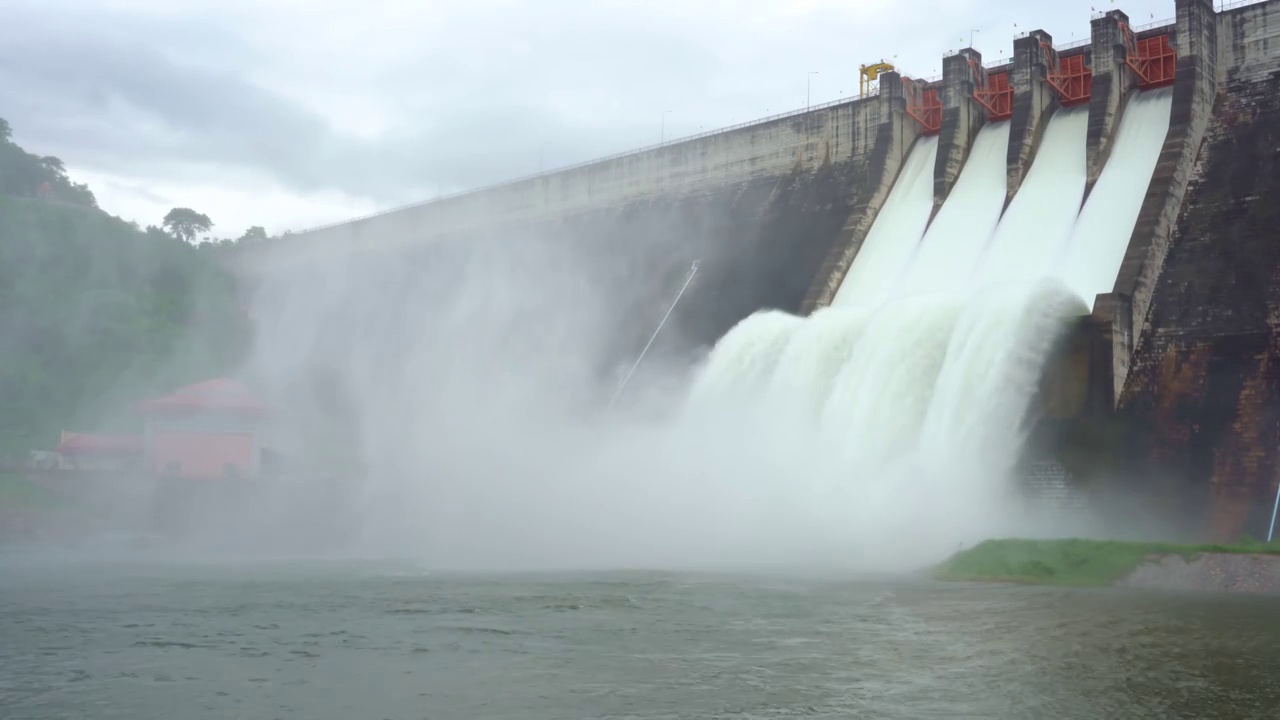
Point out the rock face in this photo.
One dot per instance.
(1203, 393)
(1210, 572)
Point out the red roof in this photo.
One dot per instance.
(222, 395)
(92, 444)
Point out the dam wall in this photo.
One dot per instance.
(705, 165)
(1202, 400)
(759, 207)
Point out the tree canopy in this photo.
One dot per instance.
(23, 174)
(184, 223)
(96, 314)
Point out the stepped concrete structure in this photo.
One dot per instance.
(1180, 360)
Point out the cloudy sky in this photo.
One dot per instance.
(293, 113)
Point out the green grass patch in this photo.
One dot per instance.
(1087, 563)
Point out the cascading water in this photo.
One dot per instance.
(950, 249)
(891, 241)
(879, 398)
(807, 367)
(740, 366)
(1098, 242)
(900, 411)
(1041, 214)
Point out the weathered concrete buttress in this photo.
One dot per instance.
(1112, 83)
(1194, 91)
(1033, 104)
(962, 118)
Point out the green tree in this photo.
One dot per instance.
(253, 234)
(53, 165)
(22, 174)
(184, 223)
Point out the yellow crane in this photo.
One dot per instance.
(868, 74)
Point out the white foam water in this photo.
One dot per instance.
(1092, 257)
(892, 239)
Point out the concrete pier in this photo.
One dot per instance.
(1033, 104)
(962, 118)
(1112, 83)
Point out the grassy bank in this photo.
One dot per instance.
(1068, 562)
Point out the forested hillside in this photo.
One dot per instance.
(96, 313)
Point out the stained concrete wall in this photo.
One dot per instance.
(759, 230)
(875, 173)
(1202, 398)
(702, 166)
(962, 118)
(1193, 98)
(1113, 82)
(1033, 104)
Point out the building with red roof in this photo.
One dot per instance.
(88, 451)
(208, 430)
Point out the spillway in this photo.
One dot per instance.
(950, 250)
(892, 239)
(903, 406)
(1040, 217)
(1092, 257)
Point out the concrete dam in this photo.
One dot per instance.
(1074, 248)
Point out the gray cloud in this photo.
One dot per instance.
(395, 102)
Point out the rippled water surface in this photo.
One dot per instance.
(361, 640)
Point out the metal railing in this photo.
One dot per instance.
(1238, 4)
(994, 63)
(1153, 25)
(616, 156)
(1074, 44)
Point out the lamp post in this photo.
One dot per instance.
(807, 85)
(662, 138)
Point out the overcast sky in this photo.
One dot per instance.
(292, 113)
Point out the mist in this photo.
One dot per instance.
(448, 403)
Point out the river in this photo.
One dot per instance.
(348, 640)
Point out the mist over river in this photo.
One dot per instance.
(357, 639)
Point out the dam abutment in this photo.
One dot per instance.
(1194, 93)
